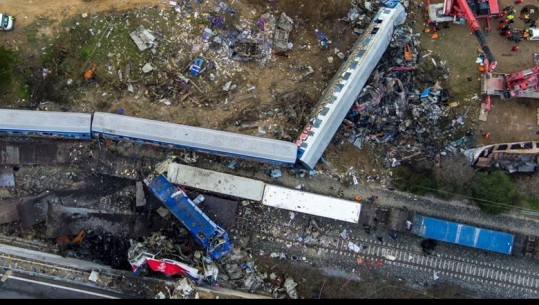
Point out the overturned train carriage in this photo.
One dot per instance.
(211, 236)
(348, 82)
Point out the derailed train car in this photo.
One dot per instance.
(218, 142)
(84, 126)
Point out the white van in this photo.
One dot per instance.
(6, 22)
(534, 34)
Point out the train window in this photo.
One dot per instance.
(353, 65)
(374, 31)
(528, 145)
(339, 87)
(378, 21)
(515, 146)
(360, 53)
(366, 41)
(346, 75)
(332, 99)
(317, 123)
(324, 111)
(502, 147)
(537, 144)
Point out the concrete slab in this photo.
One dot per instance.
(215, 182)
(483, 113)
(8, 210)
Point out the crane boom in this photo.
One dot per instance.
(476, 29)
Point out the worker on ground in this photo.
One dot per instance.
(515, 48)
(508, 8)
(487, 135)
(510, 18)
(526, 34)
(507, 33)
(518, 1)
(524, 14)
(481, 68)
(373, 198)
(532, 24)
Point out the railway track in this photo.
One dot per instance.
(23, 264)
(390, 254)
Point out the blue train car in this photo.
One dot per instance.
(465, 235)
(205, 231)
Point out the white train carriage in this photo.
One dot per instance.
(342, 91)
(45, 123)
(200, 139)
(310, 203)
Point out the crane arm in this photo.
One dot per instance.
(476, 29)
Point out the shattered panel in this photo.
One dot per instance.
(142, 38)
(285, 23)
(6, 177)
(280, 39)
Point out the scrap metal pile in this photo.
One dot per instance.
(404, 106)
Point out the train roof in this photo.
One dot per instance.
(461, 234)
(344, 88)
(216, 141)
(44, 121)
(216, 182)
(309, 203)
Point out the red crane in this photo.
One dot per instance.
(482, 9)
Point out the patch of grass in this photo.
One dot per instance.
(32, 32)
(419, 182)
(8, 59)
(85, 52)
(533, 203)
(494, 192)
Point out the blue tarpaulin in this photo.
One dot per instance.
(425, 93)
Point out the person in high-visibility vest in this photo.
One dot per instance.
(510, 18)
(481, 68)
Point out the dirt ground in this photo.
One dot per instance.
(509, 120)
